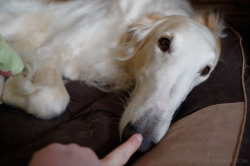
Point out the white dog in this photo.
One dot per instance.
(161, 47)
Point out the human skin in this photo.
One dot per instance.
(72, 154)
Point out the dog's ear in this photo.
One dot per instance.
(135, 36)
(213, 20)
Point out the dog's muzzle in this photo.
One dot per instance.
(147, 144)
(148, 126)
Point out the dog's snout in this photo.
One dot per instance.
(147, 143)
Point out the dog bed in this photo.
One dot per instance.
(210, 128)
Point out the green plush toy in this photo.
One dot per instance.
(10, 62)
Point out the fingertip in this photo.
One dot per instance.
(138, 137)
(121, 154)
(135, 142)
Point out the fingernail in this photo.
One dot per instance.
(138, 137)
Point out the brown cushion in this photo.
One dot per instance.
(91, 119)
(206, 137)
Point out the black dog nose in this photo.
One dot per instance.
(147, 142)
(128, 131)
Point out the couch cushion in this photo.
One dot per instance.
(206, 137)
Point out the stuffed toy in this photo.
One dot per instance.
(10, 63)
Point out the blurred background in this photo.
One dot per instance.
(236, 12)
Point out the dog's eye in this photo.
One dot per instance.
(164, 43)
(205, 71)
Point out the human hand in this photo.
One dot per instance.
(74, 155)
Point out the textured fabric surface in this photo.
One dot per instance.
(91, 118)
(206, 137)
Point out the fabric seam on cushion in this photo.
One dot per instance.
(239, 142)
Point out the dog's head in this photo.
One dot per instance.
(168, 57)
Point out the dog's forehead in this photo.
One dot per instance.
(190, 40)
(182, 26)
(172, 24)
(185, 32)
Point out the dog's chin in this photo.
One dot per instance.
(146, 146)
(148, 140)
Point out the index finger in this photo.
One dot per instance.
(121, 154)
